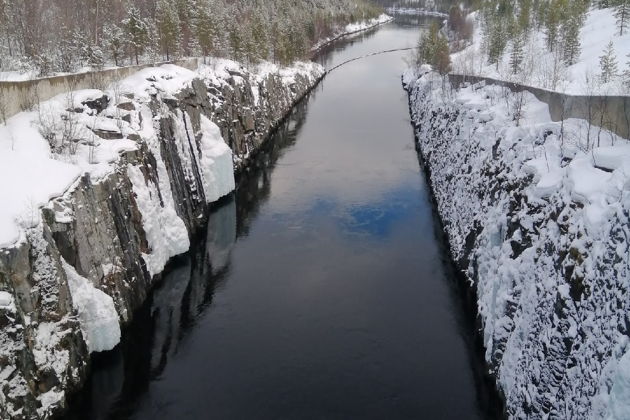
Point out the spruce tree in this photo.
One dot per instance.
(168, 27)
(626, 75)
(622, 13)
(516, 55)
(552, 23)
(114, 42)
(571, 39)
(136, 32)
(205, 27)
(442, 58)
(608, 64)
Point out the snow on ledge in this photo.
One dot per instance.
(97, 312)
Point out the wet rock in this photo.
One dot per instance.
(107, 134)
(126, 106)
(98, 105)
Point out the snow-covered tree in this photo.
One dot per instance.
(622, 13)
(626, 74)
(516, 54)
(206, 27)
(114, 42)
(167, 21)
(553, 21)
(433, 49)
(136, 32)
(608, 64)
(92, 55)
(571, 39)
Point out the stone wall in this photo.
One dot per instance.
(23, 95)
(609, 112)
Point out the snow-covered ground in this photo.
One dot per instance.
(536, 214)
(544, 69)
(353, 28)
(413, 11)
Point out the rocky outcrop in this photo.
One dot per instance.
(110, 235)
(536, 215)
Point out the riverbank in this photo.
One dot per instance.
(135, 169)
(536, 217)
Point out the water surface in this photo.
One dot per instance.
(322, 290)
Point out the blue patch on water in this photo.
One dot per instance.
(378, 219)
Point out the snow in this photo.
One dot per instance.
(611, 157)
(6, 301)
(48, 400)
(96, 310)
(599, 29)
(366, 24)
(353, 28)
(548, 202)
(165, 231)
(414, 11)
(47, 350)
(216, 162)
(620, 392)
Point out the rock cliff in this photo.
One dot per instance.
(90, 257)
(536, 213)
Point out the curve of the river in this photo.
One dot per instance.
(322, 289)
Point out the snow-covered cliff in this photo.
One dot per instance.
(100, 189)
(537, 218)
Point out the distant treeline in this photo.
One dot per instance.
(507, 23)
(64, 35)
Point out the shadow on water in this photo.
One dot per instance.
(490, 402)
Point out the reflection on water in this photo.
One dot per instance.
(321, 288)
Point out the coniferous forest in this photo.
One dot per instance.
(49, 36)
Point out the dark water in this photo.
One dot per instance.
(321, 290)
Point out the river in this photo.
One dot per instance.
(322, 289)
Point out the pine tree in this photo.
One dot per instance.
(608, 64)
(496, 42)
(524, 16)
(136, 32)
(571, 39)
(516, 55)
(168, 27)
(622, 13)
(93, 56)
(68, 49)
(442, 59)
(114, 42)
(433, 49)
(205, 27)
(552, 23)
(626, 74)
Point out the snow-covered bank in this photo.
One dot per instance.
(414, 11)
(352, 29)
(100, 189)
(537, 217)
(545, 69)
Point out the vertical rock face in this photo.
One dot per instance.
(544, 245)
(109, 237)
